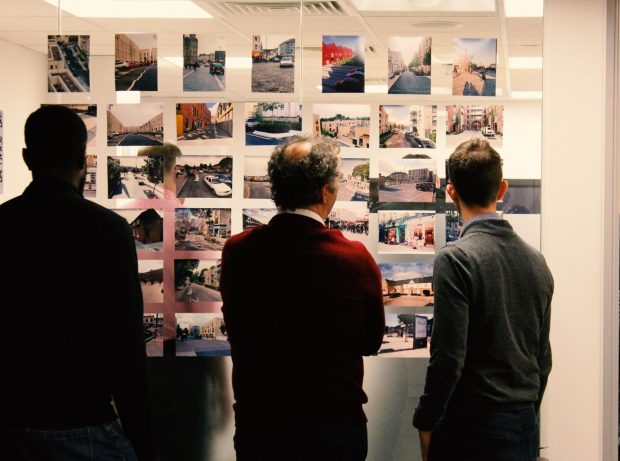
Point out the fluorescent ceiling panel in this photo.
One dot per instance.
(523, 8)
(425, 5)
(174, 9)
(527, 95)
(529, 62)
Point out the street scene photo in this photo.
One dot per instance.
(408, 127)
(197, 281)
(273, 64)
(407, 284)
(454, 225)
(407, 334)
(201, 335)
(147, 227)
(90, 181)
(154, 334)
(406, 232)
(408, 180)
(343, 64)
(253, 217)
(354, 183)
(68, 66)
(409, 65)
(271, 123)
(140, 177)
(474, 121)
(200, 124)
(135, 65)
(474, 67)
(255, 179)
(204, 177)
(203, 66)
(351, 218)
(135, 124)
(151, 274)
(347, 123)
(201, 229)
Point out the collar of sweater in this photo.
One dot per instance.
(489, 226)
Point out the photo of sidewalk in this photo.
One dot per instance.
(135, 66)
(204, 67)
(475, 64)
(409, 65)
(138, 177)
(204, 123)
(151, 275)
(201, 335)
(273, 64)
(135, 124)
(343, 64)
(271, 123)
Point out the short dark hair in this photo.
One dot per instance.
(296, 180)
(55, 138)
(475, 171)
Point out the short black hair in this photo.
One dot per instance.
(55, 138)
(475, 171)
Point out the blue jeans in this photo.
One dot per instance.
(474, 435)
(105, 442)
(302, 442)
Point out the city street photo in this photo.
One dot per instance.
(354, 183)
(351, 218)
(343, 64)
(464, 123)
(406, 232)
(90, 181)
(147, 228)
(140, 177)
(408, 180)
(454, 225)
(201, 335)
(271, 123)
(255, 178)
(253, 217)
(135, 124)
(154, 334)
(402, 329)
(197, 280)
(408, 127)
(201, 229)
(474, 68)
(407, 284)
(203, 66)
(204, 123)
(347, 123)
(204, 177)
(273, 64)
(68, 63)
(135, 65)
(409, 65)
(151, 275)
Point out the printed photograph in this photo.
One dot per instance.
(474, 121)
(151, 274)
(407, 334)
(201, 229)
(474, 68)
(407, 284)
(406, 232)
(140, 177)
(204, 123)
(354, 183)
(201, 335)
(147, 227)
(255, 178)
(204, 177)
(409, 65)
(273, 64)
(197, 280)
(454, 225)
(88, 114)
(203, 66)
(271, 123)
(408, 180)
(253, 217)
(135, 65)
(352, 219)
(154, 334)
(408, 127)
(522, 197)
(343, 64)
(68, 66)
(135, 124)
(90, 181)
(348, 123)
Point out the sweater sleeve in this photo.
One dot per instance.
(544, 351)
(374, 314)
(449, 337)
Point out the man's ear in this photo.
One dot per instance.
(451, 190)
(325, 193)
(27, 156)
(503, 187)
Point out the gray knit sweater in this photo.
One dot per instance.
(490, 343)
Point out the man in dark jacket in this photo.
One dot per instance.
(302, 305)
(72, 309)
(490, 351)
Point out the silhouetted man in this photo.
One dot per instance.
(302, 305)
(72, 310)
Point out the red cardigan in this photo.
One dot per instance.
(302, 305)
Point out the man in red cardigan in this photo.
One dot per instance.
(302, 305)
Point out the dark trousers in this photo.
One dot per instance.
(474, 435)
(294, 442)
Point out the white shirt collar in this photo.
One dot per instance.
(305, 212)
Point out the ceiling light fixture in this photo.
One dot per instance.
(437, 25)
(173, 9)
(425, 4)
(523, 8)
(527, 95)
(525, 62)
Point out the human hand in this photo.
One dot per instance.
(425, 443)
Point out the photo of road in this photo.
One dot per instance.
(138, 177)
(203, 67)
(406, 232)
(343, 68)
(204, 177)
(271, 123)
(408, 180)
(409, 65)
(154, 334)
(255, 178)
(135, 62)
(474, 121)
(201, 229)
(273, 64)
(475, 64)
(349, 124)
(135, 124)
(408, 127)
(204, 123)
(68, 63)
(407, 284)
(399, 338)
(354, 185)
(201, 335)
(351, 218)
(197, 280)
(151, 275)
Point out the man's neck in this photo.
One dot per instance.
(68, 178)
(468, 212)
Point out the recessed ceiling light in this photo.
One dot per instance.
(425, 3)
(174, 9)
(525, 62)
(523, 8)
(437, 25)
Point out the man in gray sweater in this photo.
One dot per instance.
(490, 351)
